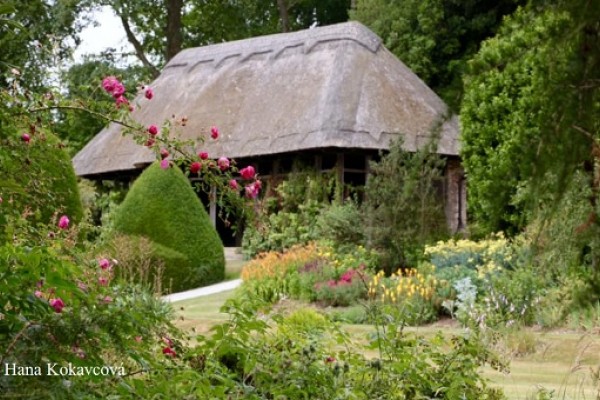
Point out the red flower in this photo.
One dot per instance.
(233, 184)
(164, 153)
(63, 222)
(223, 163)
(329, 359)
(251, 191)
(153, 130)
(25, 137)
(57, 304)
(169, 352)
(214, 132)
(102, 281)
(203, 155)
(248, 172)
(195, 167)
(150, 142)
(149, 94)
(164, 164)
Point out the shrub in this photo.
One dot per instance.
(403, 208)
(38, 178)
(341, 225)
(162, 206)
(59, 307)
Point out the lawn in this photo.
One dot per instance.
(557, 360)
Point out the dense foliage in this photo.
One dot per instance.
(435, 38)
(404, 206)
(162, 206)
(37, 179)
(530, 118)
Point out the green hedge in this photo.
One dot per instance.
(162, 206)
(38, 175)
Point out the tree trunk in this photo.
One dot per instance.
(174, 28)
(283, 15)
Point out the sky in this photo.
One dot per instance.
(108, 33)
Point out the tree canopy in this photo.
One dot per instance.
(435, 38)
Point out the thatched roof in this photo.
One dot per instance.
(334, 86)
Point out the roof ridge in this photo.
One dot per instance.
(276, 44)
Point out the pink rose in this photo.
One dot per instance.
(38, 294)
(248, 172)
(164, 164)
(149, 93)
(63, 222)
(164, 153)
(25, 137)
(223, 163)
(233, 184)
(195, 167)
(118, 90)
(57, 304)
(119, 101)
(102, 281)
(107, 299)
(150, 142)
(214, 132)
(109, 83)
(203, 155)
(169, 352)
(104, 263)
(153, 130)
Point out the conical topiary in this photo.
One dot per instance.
(162, 206)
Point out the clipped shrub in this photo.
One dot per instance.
(162, 206)
(37, 175)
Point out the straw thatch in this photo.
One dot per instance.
(335, 86)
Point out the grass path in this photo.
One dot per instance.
(560, 361)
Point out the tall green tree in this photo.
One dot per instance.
(159, 29)
(39, 36)
(435, 38)
(531, 114)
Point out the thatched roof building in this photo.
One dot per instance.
(335, 86)
(334, 89)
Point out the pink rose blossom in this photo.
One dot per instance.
(233, 184)
(57, 304)
(195, 167)
(104, 263)
(149, 94)
(153, 130)
(248, 172)
(119, 101)
(168, 341)
(82, 286)
(109, 83)
(164, 153)
(25, 137)
(150, 142)
(169, 352)
(138, 339)
(164, 164)
(251, 191)
(223, 163)
(203, 155)
(38, 294)
(118, 90)
(63, 222)
(102, 281)
(330, 359)
(214, 132)
(107, 299)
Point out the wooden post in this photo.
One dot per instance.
(212, 198)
